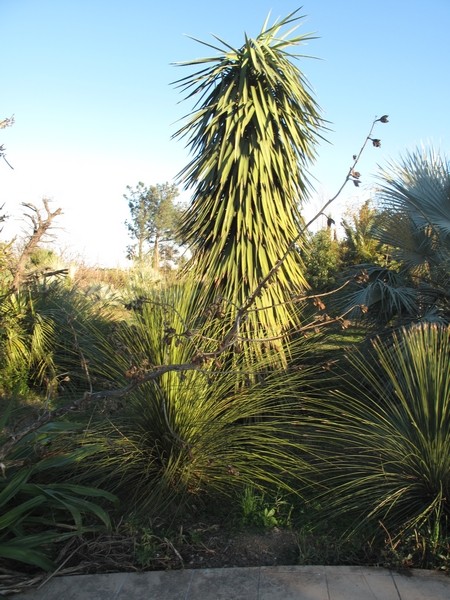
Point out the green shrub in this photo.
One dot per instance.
(54, 338)
(197, 433)
(382, 442)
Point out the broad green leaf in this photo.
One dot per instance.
(14, 515)
(26, 555)
(11, 487)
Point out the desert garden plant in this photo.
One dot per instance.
(384, 439)
(194, 434)
(51, 338)
(414, 224)
(252, 135)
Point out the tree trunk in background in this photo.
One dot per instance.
(41, 225)
(156, 254)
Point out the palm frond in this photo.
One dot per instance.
(419, 186)
(380, 297)
(414, 225)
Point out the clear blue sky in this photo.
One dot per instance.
(89, 84)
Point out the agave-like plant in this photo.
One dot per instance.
(252, 134)
(192, 434)
(384, 437)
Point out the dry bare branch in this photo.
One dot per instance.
(41, 225)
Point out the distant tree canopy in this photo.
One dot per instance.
(154, 218)
(360, 245)
(323, 260)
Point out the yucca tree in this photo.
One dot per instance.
(414, 196)
(252, 135)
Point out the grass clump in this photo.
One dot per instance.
(196, 434)
(382, 444)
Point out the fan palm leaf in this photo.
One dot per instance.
(420, 184)
(417, 193)
(414, 222)
(380, 297)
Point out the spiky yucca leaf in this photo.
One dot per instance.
(252, 137)
(195, 434)
(385, 439)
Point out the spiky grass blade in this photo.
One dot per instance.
(198, 434)
(386, 439)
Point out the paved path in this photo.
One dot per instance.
(257, 583)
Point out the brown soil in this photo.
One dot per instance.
(202, 547)
(244, 549)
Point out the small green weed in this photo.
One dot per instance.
(425, 548)
(147, 548)
(259, 510)
(155, 546)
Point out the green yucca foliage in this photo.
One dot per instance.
(83, 322)
(26, 343)
(384, 438)
(195, 434)
(53, 334)
(13, 344)
(252, 138)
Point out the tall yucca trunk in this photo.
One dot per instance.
(252, 138)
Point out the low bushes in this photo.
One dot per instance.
(196, 434)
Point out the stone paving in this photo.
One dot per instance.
(256, 583)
